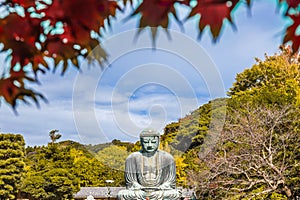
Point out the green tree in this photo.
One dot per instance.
(49, 174)
(54, 135)
(56, 171)
(12, 150)
(114, 157)
(56, 184)
(275, 80)
(181, 170)
(91, 172)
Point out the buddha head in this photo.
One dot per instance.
(149, 140)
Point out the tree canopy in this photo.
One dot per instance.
(38, 33)
(275, 80)
(12, 162)
(54, 135)
(49, 173)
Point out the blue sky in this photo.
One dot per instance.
(143, 87)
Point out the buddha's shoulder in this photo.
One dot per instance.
(165, 154)
(134, 155)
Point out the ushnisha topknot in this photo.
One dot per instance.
(149, 133)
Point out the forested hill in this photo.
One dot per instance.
(189, 132)
(98, 147)
(57, 170)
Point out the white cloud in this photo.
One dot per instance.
(119, 116)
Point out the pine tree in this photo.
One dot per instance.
(12, 155)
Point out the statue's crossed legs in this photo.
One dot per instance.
(149, 194)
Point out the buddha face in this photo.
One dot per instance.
(150, 143)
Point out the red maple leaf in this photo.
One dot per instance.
(17, 28)
(79, 18)
(88, 14)
(20, 35)
(154, 13)
(60, 51)
(13, 89)
(291, 34)
(213, 13)
(293, 3)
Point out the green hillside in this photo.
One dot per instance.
(98, 147)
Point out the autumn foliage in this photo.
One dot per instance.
(32, 32)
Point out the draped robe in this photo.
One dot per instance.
(150, 177)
